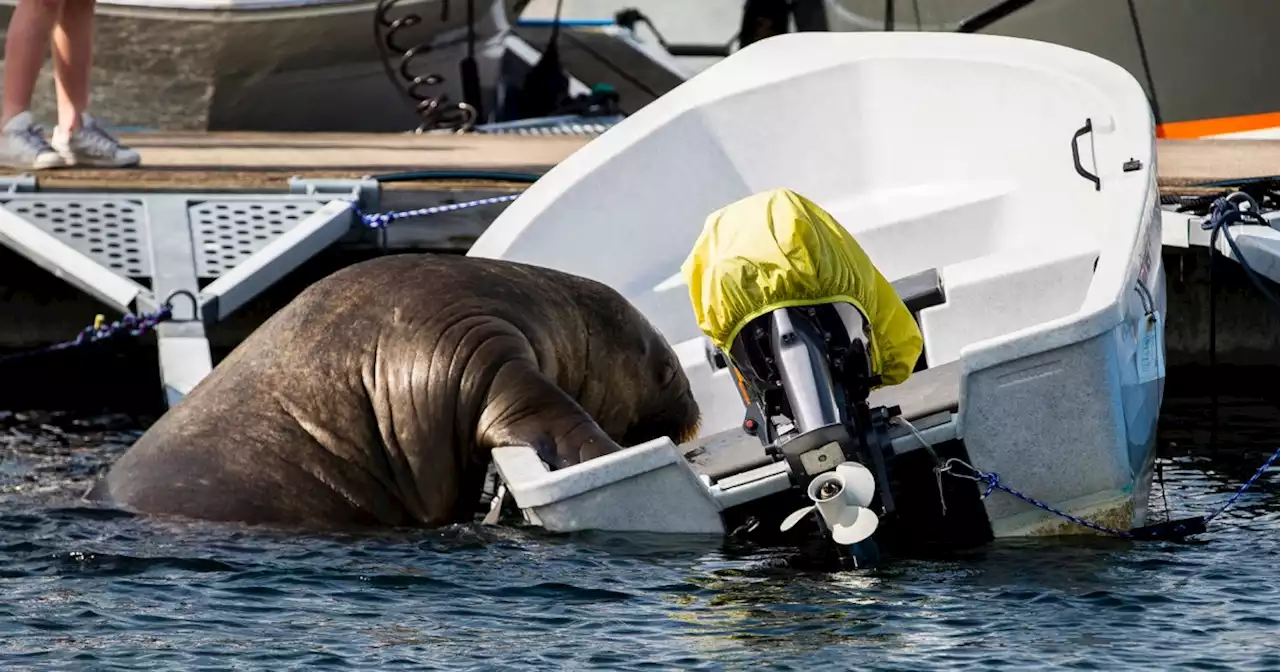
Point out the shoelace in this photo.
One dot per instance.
(33, 139)
(99, 139)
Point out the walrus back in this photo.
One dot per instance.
(293, 426)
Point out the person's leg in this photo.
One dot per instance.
(78, 137)
(73, 60)
(22, 144)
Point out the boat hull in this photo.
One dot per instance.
(1075, 426)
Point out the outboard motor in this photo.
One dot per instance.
(808, 328)
(805, 377)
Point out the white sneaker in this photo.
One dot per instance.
(89, 145)
(23, 146)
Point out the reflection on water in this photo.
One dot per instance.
(45, 456)
(91, 589)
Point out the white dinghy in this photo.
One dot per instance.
(1007, 189)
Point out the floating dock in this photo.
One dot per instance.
(1185, 163)
(265, 161)
(214, 220)
(224, 228)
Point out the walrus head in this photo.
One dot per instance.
(670, 410)
(636, 389)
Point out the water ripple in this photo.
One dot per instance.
(89, 588)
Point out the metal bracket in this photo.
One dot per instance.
(67, 263)
(366, 192)
(263, 268)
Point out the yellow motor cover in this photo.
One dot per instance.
(777, 249)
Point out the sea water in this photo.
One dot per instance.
(88, 590)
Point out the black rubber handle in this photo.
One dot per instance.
(1075, 155)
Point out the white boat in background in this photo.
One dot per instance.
(1146, 38)
(1242, 106)
(1006, 186)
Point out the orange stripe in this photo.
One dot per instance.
(742, 387)
(1199, 128)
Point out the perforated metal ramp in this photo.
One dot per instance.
(112, 231)
(228, 232)
(204, 255)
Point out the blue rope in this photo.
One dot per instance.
(134, 325)
(993, 483)
(380, 219)
(1177, 529)
(1225, 212)
(1266, 466)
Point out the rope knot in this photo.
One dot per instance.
(992, 480)
(377, 219)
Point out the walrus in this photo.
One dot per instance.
(374, 397)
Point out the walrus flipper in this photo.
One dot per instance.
(526, 409)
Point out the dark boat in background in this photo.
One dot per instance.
(274, 65)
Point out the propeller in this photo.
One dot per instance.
(841, 498)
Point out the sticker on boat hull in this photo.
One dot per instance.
(1150, 353)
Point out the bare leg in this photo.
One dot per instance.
(25, 47)
(73, 60)
(22, 142)
(78, 138)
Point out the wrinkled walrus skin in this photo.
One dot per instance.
(374, 397)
